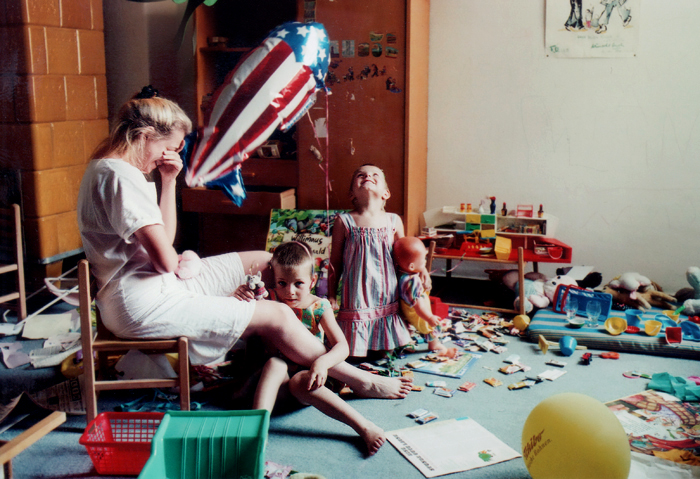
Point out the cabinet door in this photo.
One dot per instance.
(366, 110)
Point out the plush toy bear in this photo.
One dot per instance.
(189, 265)
(257, 285)
(536, 286)
(637, 291)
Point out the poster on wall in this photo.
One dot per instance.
(592, 28)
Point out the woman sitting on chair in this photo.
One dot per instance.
(128, 235)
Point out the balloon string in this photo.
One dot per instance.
(328, 152)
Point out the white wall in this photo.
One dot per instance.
(140, 50)
(610, 146)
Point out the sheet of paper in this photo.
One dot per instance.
(450, 446)
(579, 272)
(44, 326)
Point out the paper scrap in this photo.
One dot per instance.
(12, 355)
(11, 329)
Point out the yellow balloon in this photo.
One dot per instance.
(574, 436)
(521, 321)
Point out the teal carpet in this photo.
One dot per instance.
(311, 442)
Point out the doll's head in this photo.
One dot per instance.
(410, 254)
(368, 178)
(293, 266)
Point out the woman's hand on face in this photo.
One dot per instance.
(169, 165)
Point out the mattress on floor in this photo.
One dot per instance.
(553, 326)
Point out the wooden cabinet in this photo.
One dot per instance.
(380, 120)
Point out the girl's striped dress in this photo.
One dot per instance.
(369, 308)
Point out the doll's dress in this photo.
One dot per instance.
(369, 312)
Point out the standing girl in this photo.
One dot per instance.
(361, 253)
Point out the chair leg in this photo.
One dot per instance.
(89, 387)
(183, 357)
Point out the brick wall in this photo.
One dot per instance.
(53, 112)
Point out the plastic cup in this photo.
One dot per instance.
(567, 345)
(652, 327)
(615, 325)
(634, 317)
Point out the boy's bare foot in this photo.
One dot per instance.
(374, 438)
(381, 387)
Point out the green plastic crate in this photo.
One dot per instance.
(209, 445)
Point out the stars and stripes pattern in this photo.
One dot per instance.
(273, 86)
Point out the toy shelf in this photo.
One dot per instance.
(449, 255)
(452, 220)
(545, 251)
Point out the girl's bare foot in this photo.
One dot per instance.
(381, 387)
(374, 437)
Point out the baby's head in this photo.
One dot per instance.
(410, 254)
(293, 266)
(372, 174)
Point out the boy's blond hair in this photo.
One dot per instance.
(291, 255)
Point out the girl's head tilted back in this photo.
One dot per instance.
(368, 174)
(293, 255)
(145, 115)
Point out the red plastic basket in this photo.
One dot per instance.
(120, 442)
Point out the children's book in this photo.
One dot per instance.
(313, 227)
(450, 446)
(452, 368)
(657, 422)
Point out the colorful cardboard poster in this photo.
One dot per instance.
(313, 227)
(453, 368)
(657, 422)
(592, 28)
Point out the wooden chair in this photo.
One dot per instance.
(10, 449)
(105, 341)
(12, 250)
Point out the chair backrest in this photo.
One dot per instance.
(12, 259)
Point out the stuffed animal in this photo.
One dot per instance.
(257, 285)
(591, 281)
(189, 265)
(692, 304)
(534, 287)
(631, 283)
(647, 292)
(550, 286)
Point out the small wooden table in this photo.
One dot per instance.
(519, 257)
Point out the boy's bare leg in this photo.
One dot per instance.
(274, 377)
(333, 406)
(277, 323)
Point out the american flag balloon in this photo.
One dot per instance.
(273, 86)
